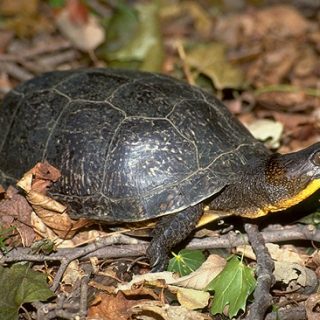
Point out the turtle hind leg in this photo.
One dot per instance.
(171, 230)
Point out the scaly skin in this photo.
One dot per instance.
(170, 231)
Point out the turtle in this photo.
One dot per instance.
(137, 146)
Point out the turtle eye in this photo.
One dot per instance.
(316, 158)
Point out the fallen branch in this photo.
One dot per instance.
(265, 279)
(99, 248)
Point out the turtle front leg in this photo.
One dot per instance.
(171, 230)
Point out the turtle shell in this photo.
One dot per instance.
(130, 145)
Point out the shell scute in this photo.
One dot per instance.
(130, 145)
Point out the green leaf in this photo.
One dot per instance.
(5, 234)
(210, 60)
(45, 246)
(120, 29)
(313, 218)
(232, 287)
(19, 285)
(133, 35)
(56, 3)
(186, 261)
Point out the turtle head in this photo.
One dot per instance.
(291, 178)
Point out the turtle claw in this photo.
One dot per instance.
(160, 265)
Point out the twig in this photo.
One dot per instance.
(15, 71)
(57, 45)
(60, 309)
(84, 297)
(230, 240)
(265, 279)
(292, 313)
(51, 61)
(185, 66)
(288, 88)
(120, 238)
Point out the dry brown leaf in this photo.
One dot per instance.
(25, 18)
(312, 307)
(84, 31)
(15, 211)
(110, 307)
(316, 257)
(200, 278)
(278, 21)
(210, 60)
(157, 278)
(5, 38)
(44, 174)
(296, 277)
(282, 20)
(2, 190)
(277, 100)
(78, 12)
(140, 291)
(273, 66)
(42, 229)
(166, 312)
(286, 254)
(292, 120)
(190, 298)
(202, 21)
(16, 7)
(73, 273)
(54, 216)
(52, 213)
(39, 178)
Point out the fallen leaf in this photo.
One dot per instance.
(277, 99)
(141, 42)
(78, 12)
(15, 212)
(73, 273)
(186, 261)
(5, 38)
(210, 60)
(200, 278)
(315, 257)
(16, 7)
(296, 277)
(25, 19)
(20, 284)
(202, 20)
(190, 298)
(173, 11)
(232, 287)
(85, 33)
(166, 276)
(166, 312)
(267, 131)
(278, 253)
(248, 27)
(52, 213)
(312, 307)
(110, 307)
(273, 65)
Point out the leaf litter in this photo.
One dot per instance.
(263, 61)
